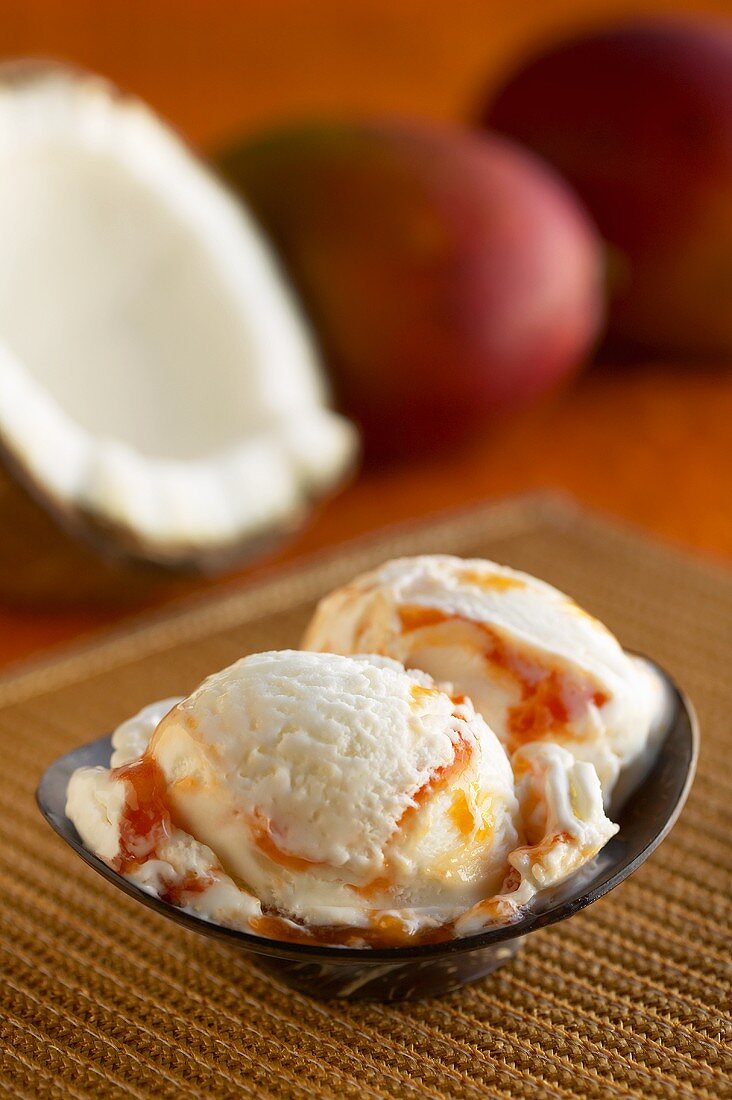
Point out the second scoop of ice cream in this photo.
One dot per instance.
(536, 666)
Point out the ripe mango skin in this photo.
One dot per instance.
(638, 118)
(448, 275)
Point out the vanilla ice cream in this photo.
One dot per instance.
(337, 799)
(535, 665)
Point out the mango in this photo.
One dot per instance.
(448, 275)
(639, 119)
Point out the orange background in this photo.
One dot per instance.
(648, 442)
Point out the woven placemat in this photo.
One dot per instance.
(99, 997)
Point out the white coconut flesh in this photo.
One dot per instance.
(155, 372)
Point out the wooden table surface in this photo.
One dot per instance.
(648, 442)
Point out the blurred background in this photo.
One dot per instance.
(623, 402)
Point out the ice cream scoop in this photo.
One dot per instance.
(341, 799)
(535, 665)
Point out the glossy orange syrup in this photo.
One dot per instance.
(146, 822)
(146, 818)
(461, 814)
(538, 851)
(497, 582)
(384, 930)
(179, 893)
(549, 696)
(414, 617)
(261, 830)
(422, 694)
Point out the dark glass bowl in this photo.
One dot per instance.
(398, 973)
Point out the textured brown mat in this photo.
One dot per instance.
(99, 997)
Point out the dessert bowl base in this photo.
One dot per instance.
(411, 980)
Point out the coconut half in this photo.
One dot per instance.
(159, 389)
